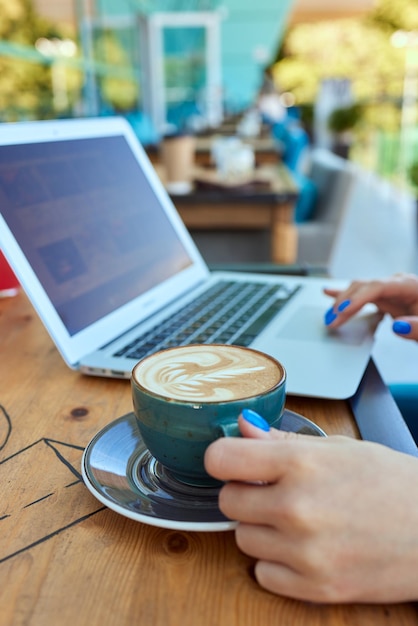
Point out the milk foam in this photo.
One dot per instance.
(209, 373)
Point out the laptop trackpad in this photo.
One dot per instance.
(307, 324)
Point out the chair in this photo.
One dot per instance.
(333, 178)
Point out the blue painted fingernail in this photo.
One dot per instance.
(402, 328)
(330, 316)
(255, 419)
(344, 305)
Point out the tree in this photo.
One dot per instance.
(395, 15)
(359, 49)
(120, 92)
(25, 86)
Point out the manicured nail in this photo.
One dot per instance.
(344, 305)
(255, 419)
(330, 316)
(402, 328)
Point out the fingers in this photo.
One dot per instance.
(252, 425)
(338, 313)
(351, 301)
(283, 580)
(332, 292)
(280, 579)
(260, 459)
(231, 458)
(238, 459)
(407, 328)
(396, 295)
(262, 542)
(283, 567)
(249, 459)
(249, 503)
(260, 455)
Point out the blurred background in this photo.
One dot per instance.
(347, 71)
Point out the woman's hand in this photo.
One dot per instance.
(328, 519)
(396, 296)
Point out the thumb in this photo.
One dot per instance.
(407, 328)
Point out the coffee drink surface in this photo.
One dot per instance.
(208, 373)
(186, 397)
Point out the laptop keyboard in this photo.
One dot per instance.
(229, 312)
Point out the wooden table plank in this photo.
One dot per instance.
(65, 559)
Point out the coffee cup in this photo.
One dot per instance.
(186, 397)
(177, 155)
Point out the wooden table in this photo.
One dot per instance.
(65, 559)
(266, 204)
(266, 148)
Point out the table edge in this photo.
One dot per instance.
(377, 414)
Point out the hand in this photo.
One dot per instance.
(333, 520)
(397, 296)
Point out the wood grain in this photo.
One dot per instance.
(65, 559)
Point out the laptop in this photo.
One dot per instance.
(108, 265)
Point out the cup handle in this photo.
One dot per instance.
(229, 429)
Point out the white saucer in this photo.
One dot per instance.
(120, 472)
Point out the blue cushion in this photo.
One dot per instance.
(294, 141)
(307, 197)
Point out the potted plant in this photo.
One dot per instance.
(341, 123)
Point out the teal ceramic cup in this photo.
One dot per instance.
(184, 398)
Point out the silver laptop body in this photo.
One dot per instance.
(103, 256)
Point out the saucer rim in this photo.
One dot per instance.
(160, 522)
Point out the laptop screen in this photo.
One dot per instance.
(89, 223)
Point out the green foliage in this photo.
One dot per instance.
(413, 174)
(121, 93)
(25, 87)
(395, 15)
(359, 49)
(346, 48)
(345, 118)
(306, 113)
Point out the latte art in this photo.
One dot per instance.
(209, 373)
